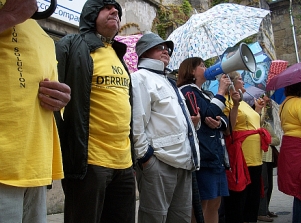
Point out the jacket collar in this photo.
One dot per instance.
(94, 43)
(155, 66)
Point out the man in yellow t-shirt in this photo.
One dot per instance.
(30, 156)
(99, 182)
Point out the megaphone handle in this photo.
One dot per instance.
(231, 87)
(241, 95)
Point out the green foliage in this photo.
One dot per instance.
(210, 62)
(250, 39)
(216, 2)
(171, 17)
(186, 7)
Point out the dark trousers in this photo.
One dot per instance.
(267, 176)
(296, 210)
(104, 196)
(243, 206)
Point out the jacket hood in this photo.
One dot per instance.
(90, 12)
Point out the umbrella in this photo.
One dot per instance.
(277, 66)
(291, 75)
(249, 96)
(278, 96)
(210, 33)
(130, 57)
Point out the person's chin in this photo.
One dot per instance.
(165, 62)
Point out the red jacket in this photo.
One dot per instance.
(238, 175)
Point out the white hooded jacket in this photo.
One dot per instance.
(158, 120)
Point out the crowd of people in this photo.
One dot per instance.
(83, 118)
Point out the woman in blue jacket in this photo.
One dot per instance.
(211, 177)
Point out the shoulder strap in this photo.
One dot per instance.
(283, 106)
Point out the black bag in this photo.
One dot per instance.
(191, 103)
(275, 154)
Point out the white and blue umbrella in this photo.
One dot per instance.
(210, 33)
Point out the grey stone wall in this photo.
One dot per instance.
(282, 28)
(139, 13)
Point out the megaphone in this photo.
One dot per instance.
(47, 13)
(243, 59)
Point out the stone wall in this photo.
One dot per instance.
(138, 15)
(282, 28)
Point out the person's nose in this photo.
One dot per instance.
(114, 11)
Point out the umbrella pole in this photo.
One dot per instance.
(212, 43)
(251, 95)
(293, 30)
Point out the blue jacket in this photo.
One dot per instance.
(212, 152)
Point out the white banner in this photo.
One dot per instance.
(66, 10)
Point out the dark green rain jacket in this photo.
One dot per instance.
(75, 68)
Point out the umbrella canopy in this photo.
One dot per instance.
(277, 66)
(210, 33)
(291, 75)
(278, 96)
(130, 57)
(249, 96)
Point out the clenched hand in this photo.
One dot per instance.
(54, 95)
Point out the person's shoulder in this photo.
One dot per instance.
(69, 38)
(145, 77)
(185, 88)
(137, 75)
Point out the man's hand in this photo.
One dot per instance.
(54, 95)
(16, 11)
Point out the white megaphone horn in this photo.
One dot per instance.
(243, 59)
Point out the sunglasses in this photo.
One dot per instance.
(162, 47)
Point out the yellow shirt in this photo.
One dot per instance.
(291, 116)
(110, 112)
(248, 119)
(29, 145)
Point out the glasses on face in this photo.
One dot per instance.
(163, 47)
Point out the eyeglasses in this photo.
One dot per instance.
(162, 47)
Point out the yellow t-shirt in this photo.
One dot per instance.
(248, 119)
(291, 116)
(110, 112)
(29, 145)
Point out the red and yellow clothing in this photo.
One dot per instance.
(248, 119)
(289, 165)
(291, 116)
(29, 145)
(109, 143)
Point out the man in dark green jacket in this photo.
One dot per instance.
(94, 129)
